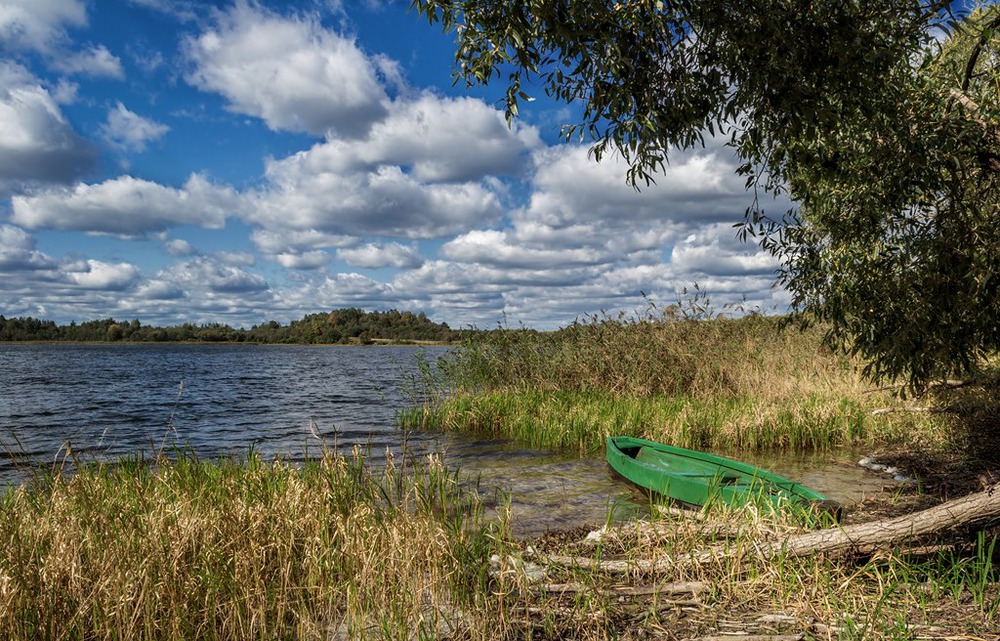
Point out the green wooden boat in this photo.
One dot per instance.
(698, 477)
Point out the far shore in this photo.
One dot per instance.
(375, 342)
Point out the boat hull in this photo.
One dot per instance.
(698, 478)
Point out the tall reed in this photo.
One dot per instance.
(655, 356)
(725, 383)
(239, 549)
(343, 549)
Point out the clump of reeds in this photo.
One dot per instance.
(240, 549)
(723, 383)
(654, 356)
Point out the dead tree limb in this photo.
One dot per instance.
(969, 512)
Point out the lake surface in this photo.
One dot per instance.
(105, 401)
(115, 399)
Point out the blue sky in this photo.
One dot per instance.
(179, 161)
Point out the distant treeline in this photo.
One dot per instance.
(340, 326)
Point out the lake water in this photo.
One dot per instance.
(105, 401)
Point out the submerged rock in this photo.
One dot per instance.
(868, 462)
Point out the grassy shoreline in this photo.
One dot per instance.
(581, 421)
(344, 548)
(728, 385)
(236, 549)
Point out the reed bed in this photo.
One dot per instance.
(724, 384)
(749, 383)
(240, 549)
(343, 549)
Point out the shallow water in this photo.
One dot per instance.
(545, 490)
(105, 401)
(835, 474)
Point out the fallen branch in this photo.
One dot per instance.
(664, 589)
(753, 637)
(920, 410)
(944, 409)
(969, 512)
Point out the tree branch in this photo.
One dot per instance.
(969, 512)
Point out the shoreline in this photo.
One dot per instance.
(442, 565)
(377, 342)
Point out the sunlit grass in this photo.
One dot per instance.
(582, 421)
(238, 549)
(723, 384)
(343, 549)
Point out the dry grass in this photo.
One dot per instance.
(341, 549)
(237, 550)
(748, 356)
(723, 384)
(595, 587)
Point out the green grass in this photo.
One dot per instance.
(580, 421)
(723, 384)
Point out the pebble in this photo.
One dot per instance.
(869, 463)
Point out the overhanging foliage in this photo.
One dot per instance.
(879, 119)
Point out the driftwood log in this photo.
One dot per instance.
(967, 513)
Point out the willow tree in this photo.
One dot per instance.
(879, 118)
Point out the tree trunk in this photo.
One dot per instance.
(969, 512)
(972, 511)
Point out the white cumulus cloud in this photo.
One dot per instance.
(698, 186)
(303, 194)
(96, 61)
(18, 253)
(127, 206)
(178, 247)
(496, 248)
(37, 143)
(340, 290)
(305, 260)
(378, 255)
(129, 131)
(96, 274)
(413, 175)
(38, 25)
(273, 242)
(289, 71)
(716, 251)
(424, 135)
(208, 275)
